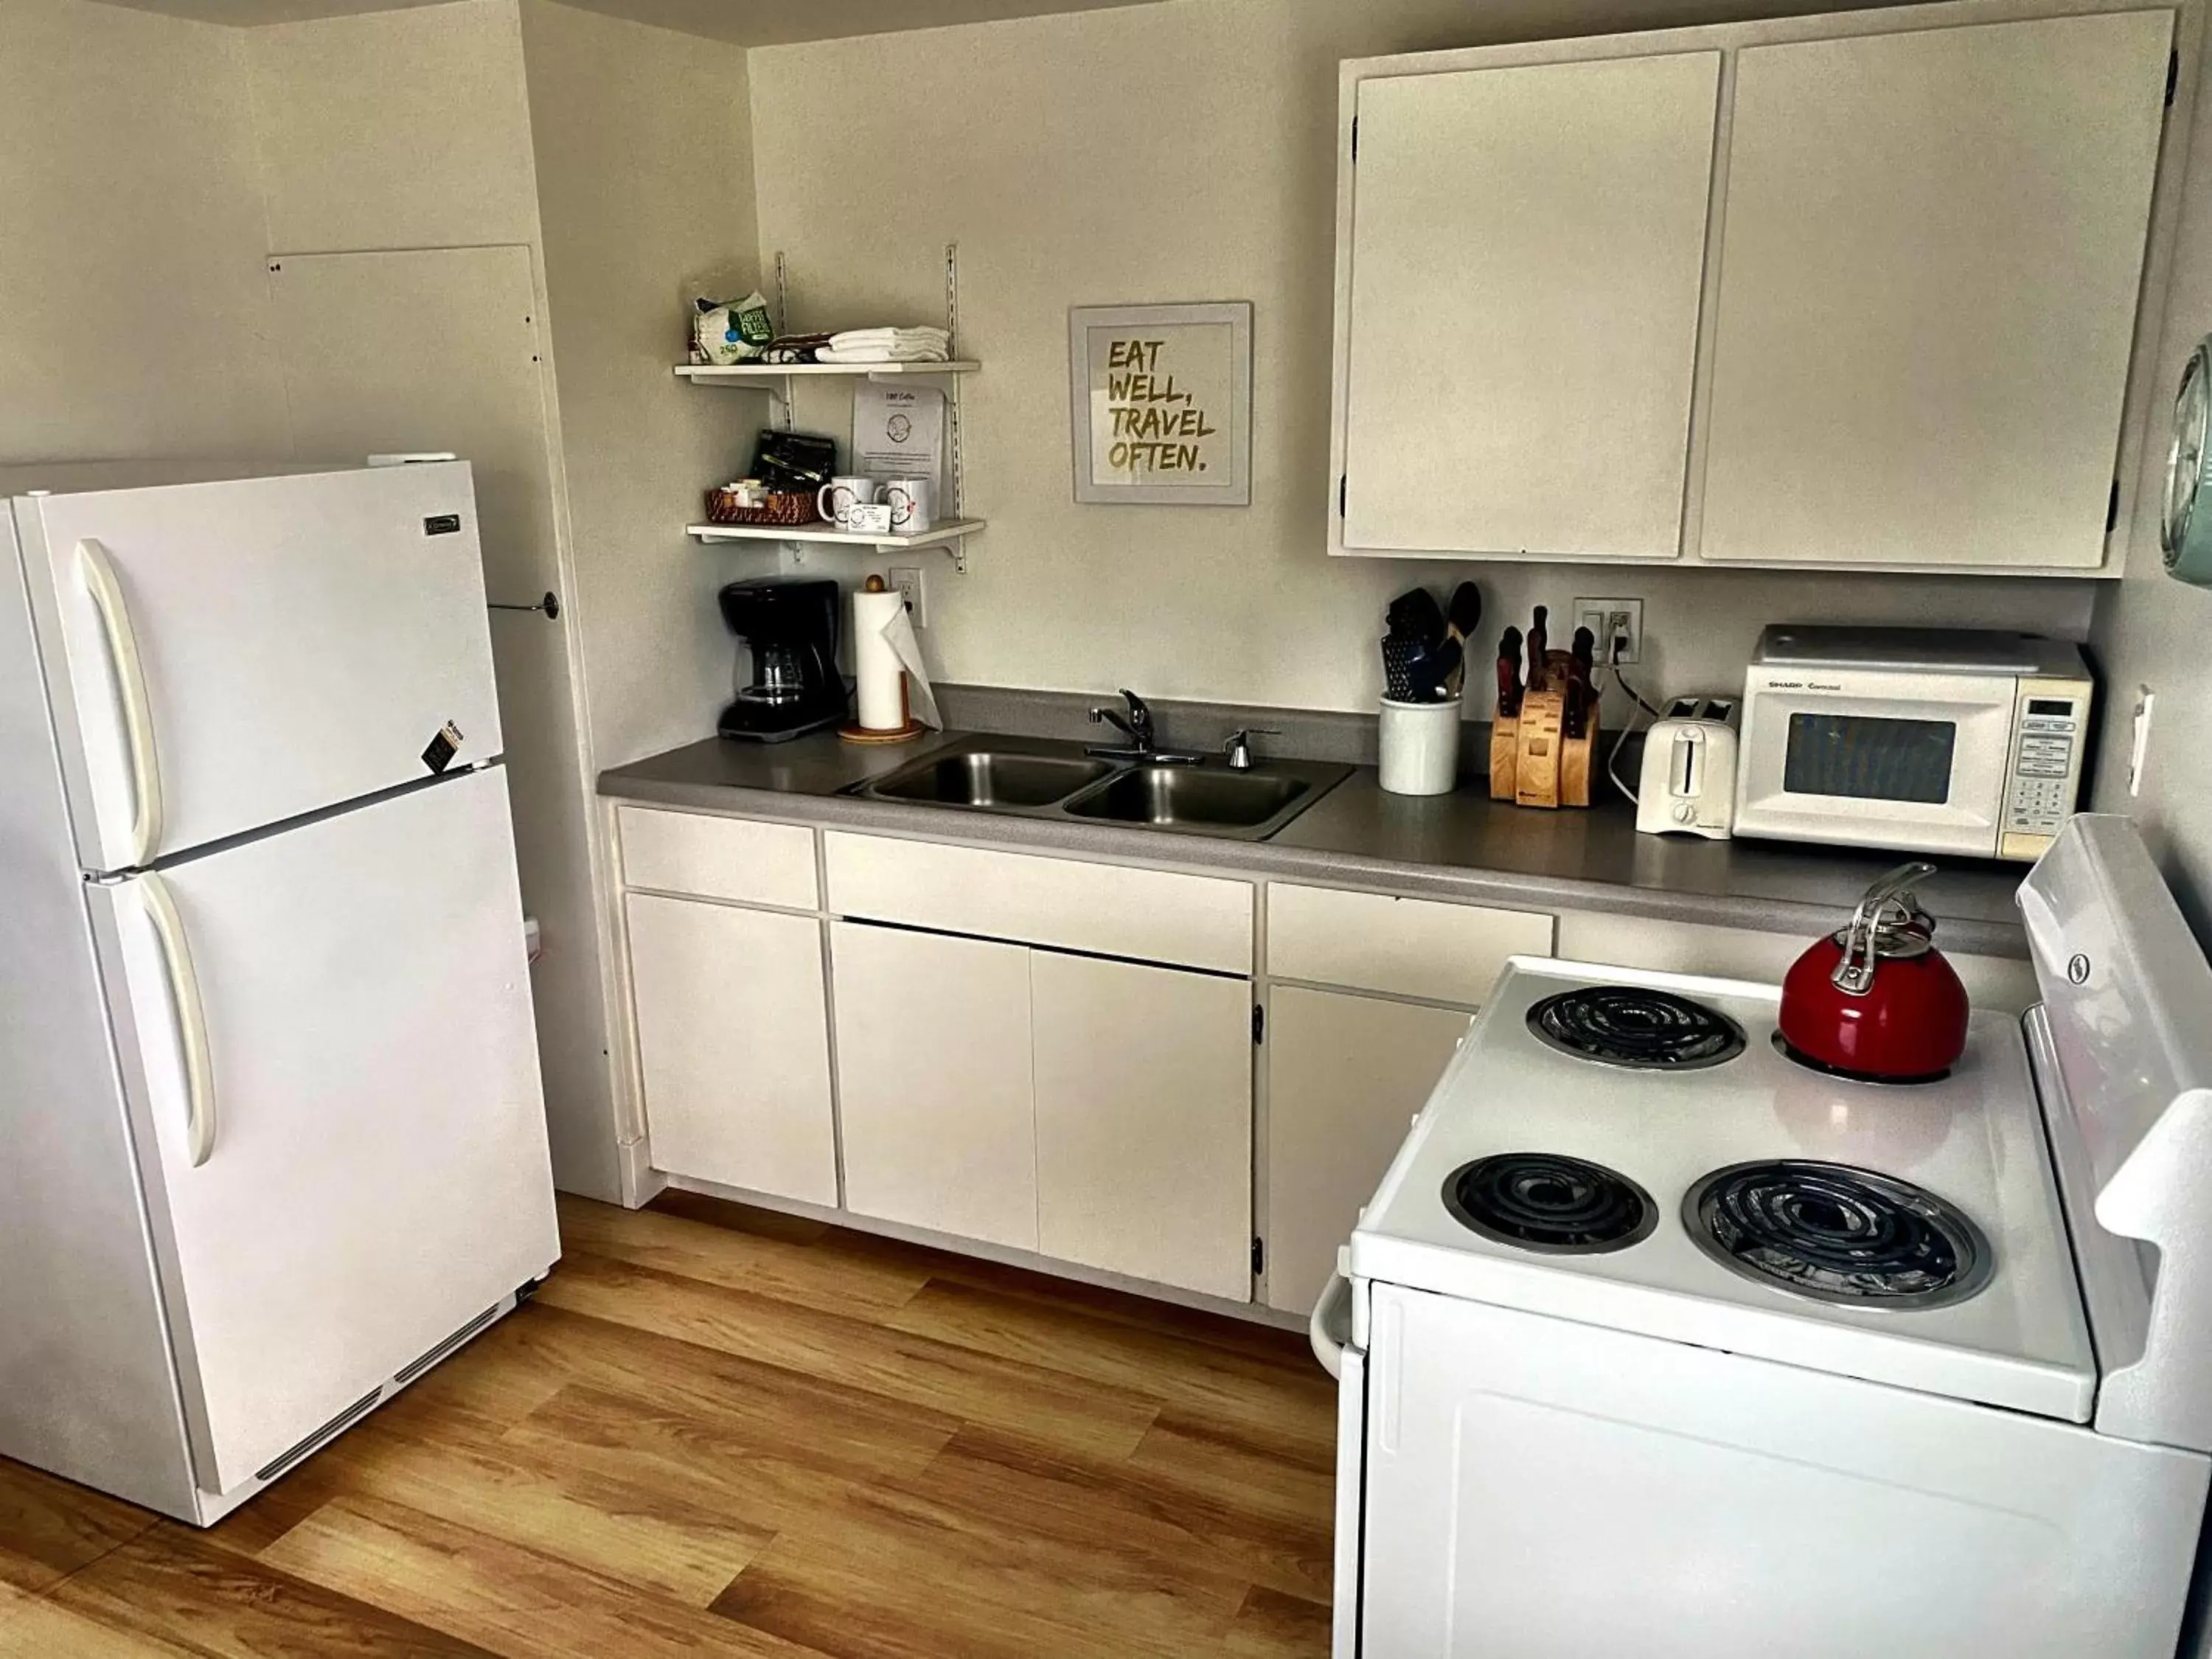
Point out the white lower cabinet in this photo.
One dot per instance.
(1346, 1075)
(1143, 1120)
(733, 1043)
(933, 1081)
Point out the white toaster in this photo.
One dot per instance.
(1688, 784)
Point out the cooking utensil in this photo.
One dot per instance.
(1876, 1000)
(1415, 614)
(1445, 663)
(1539, 643)
(1398, 655)
(1508, 674)
(1464, 614)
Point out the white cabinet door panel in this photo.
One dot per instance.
(1346, 1076)
(1527, 249)
(734, 1039)
(379, 1173)
(933, 1082)
(1143, 1120)
(1931, 251)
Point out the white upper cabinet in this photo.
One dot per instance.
(1873, 290)
(1927, 288)
(1518, 307)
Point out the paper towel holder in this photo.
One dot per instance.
(909, 728)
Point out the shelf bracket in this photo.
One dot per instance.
(955, 460)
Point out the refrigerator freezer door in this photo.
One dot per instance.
(376, 1171)
(239, 653)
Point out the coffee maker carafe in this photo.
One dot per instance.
(791, 626)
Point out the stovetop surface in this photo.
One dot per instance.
(1974, 1140)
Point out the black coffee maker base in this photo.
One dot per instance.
(749, 723)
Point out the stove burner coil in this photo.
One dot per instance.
(1631, 1026)
(1837, 1234)
(1542, 1202)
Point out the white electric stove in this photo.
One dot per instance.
(1655, 1340)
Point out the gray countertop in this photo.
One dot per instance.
(1461, 846)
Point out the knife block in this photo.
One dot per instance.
(1532, 762)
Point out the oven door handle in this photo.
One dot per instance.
(1329, 1329)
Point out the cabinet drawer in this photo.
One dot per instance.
(1153, 916)
(1412, 947)
(718, 858)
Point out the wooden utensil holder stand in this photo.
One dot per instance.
(1532, 762)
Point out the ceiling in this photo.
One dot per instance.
(745, 22)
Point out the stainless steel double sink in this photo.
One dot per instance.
(1029, 777)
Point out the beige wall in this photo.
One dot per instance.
(131, 288)
(2153, 631)
(645, 187)
(1182, 151)
(395, 130)
(617, 154)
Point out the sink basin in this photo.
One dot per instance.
(1168, 796)
(1048, 778)
(983, 777)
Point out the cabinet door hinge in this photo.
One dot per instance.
(1259, 1023)
(1355, 119)
(1340, 482)
(2112, 509)
(2172, 79)
(1259, 1255)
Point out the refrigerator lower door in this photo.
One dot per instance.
(223, 657)
(333, 1028)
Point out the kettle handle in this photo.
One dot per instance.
(1889, 898)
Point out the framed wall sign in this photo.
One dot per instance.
(1161, 402)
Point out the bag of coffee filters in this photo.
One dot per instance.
(726, 332)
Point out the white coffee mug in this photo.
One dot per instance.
(913, 504)
(836, 499)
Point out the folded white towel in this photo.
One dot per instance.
(881, 354)
(852, 337)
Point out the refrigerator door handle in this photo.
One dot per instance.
(191, 1019)
(98, 573)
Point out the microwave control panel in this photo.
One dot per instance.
(2051, 729)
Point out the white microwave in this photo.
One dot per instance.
(1922, 740)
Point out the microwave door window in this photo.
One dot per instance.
(1869, 757)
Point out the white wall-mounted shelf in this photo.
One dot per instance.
(777, 381)
(755, 374)
(941, 536)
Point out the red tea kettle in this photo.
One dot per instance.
(1877, 1000)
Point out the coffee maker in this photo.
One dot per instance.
(792, 627)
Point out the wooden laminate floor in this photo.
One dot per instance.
(717, 1430)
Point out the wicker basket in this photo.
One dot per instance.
(783, 511)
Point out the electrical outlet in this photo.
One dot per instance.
(905, 580)
(1612, 621)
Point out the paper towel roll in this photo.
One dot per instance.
(887, 661)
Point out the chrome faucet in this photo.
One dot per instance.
(1138, 729)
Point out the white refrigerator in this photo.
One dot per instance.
(272, 1141)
